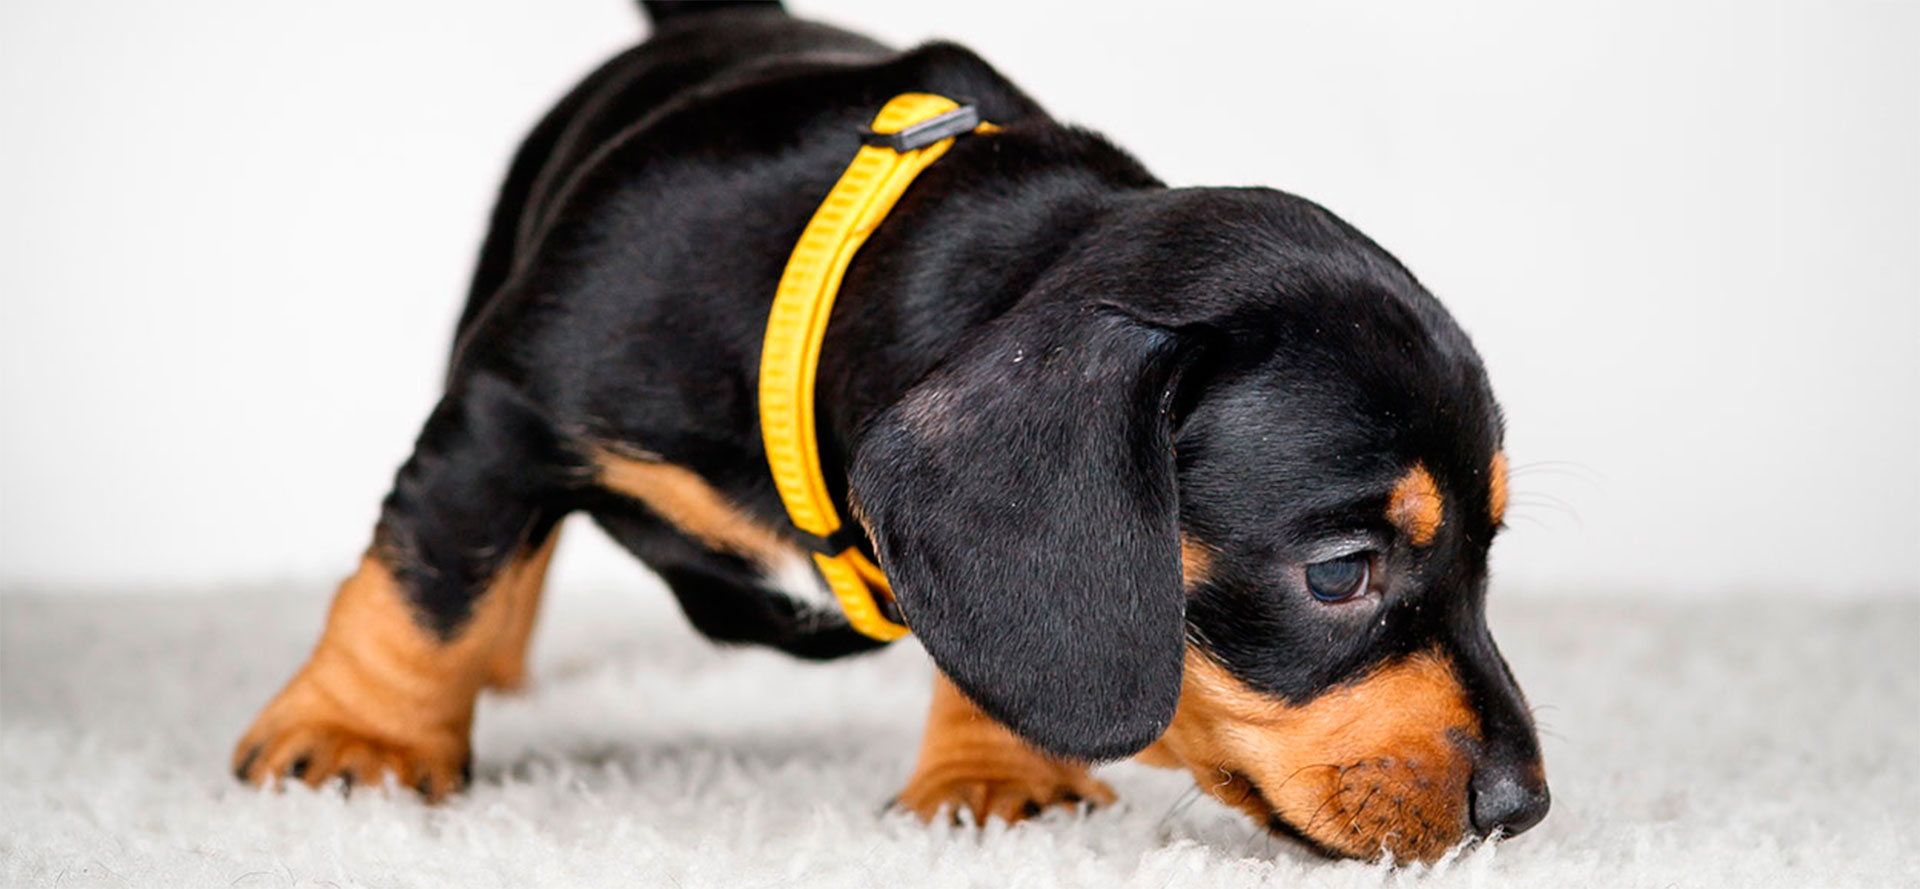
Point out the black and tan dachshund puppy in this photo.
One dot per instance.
(1201, 475)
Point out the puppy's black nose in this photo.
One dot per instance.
(1508, 798)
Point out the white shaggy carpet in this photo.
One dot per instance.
(1743, 743)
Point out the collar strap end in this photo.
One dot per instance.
(964, 119)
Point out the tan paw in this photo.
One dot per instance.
(1012, 794)
(303, 737)
(507, 674)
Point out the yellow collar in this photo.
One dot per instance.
(910, 133)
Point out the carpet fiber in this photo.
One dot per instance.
(1749, 744)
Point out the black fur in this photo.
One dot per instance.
(1042, 369)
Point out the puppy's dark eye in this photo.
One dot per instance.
(1338, 579)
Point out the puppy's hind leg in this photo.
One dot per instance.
(414, 634)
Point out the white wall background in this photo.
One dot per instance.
(234, 235)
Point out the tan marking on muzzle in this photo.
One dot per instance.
(1375, 765)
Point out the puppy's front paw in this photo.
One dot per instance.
(304, 735)
(1011, 791)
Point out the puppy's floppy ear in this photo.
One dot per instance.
(1021, 499)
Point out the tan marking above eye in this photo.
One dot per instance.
(1367, 764)
(1196, 561)
(1415, 505)
(1497, 488)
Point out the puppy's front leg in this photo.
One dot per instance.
(439, 607)
(968, 761)
(381, 694)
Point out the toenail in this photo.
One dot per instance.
(246, 764)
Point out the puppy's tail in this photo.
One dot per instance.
(660, 12)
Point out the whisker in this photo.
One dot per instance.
(1226, 777)
(1519, 508)
(1530, 520)
(1539, 497)
(1296, 773)
(1181, 803)
(1361, 808)
(1564, 468)
(1315, 818)
(1246, 848)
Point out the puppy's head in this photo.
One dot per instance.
(1221, 487)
